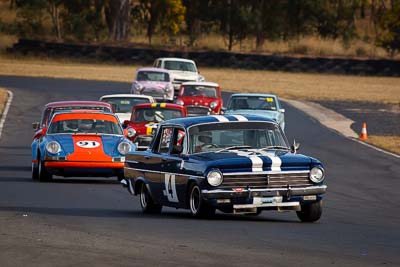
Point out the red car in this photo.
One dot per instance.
(53, 107)
(145, 119)
(200, 98)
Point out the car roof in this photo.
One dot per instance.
(175, 59)
(77, 103)
(127, 96)
(159, 105)
(254, 94)
(152, 69)
(201, 83)
(190, 121)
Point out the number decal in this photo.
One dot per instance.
(88, 144)
(170, 188)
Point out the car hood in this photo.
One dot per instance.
(95, 143)
(266, 113)
(197, 100)
(252, 160)
(184, 75)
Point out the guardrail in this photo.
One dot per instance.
(146, 56)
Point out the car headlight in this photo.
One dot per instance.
(131, 132)
(124, 148)
(179, 102)
(214, 178)
(201, 78)
(317, 175)
(213, 105)
(138, 86)
(167, 88)
(53, 147)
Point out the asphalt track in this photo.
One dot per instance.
(85, 222)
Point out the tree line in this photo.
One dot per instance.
(235, 20)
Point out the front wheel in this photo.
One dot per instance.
(198, 207)
(44, 175)
(310, 212)
(35, 172)
(146, 202)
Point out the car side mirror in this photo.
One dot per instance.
(176, 150)
(282, 110)
(44, 130)
(35, 125)
(125, 132)
(295, 147)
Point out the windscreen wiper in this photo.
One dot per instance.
(232, 147)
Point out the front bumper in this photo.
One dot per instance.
(249, 200)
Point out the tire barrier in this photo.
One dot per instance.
(146, 56)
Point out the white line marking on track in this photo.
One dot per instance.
(6, 108)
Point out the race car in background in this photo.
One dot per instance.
(200, 98)
(122, 104)
(145, 119)
(80, 143)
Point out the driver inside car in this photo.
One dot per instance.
(205, 141)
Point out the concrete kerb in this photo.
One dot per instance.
(5, 111)
(332, 120)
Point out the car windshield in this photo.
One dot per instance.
(156, 114)
(85, 126)
(180, 65)
(49, 112)
(154, 76)
(124, 104)
(252, 102)
(199, 90)
(219, 137)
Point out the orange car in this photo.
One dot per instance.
(81, 143)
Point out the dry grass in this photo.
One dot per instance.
(287, 85)
(3, 99)
(389, 143)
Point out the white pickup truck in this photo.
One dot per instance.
(181, 69)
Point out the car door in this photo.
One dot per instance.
(174, 179)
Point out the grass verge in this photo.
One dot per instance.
(3, 99)
(299, 86)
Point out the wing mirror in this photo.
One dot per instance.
(35, 125)
(282, 110)
(295, 146)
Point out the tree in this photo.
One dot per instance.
(117, 13)
(390, 24)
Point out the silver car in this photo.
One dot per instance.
(267, 105)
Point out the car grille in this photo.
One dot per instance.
(197, 110)
(154, 92)
(275, 180)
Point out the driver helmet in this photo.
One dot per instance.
(205, 137)
(86, 124)
(148, 115)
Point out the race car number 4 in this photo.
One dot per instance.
(88, 144)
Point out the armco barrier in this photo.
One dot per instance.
(146, 56)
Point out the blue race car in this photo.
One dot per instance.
(233, 163)
(267, 105)
(80, 143)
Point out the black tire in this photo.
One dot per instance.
(198, 207)
(146, 202)
(43, 174)
(35, 172)
(120, 177)
(310, 212)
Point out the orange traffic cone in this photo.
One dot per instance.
(363, 135)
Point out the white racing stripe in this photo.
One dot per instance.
(220, 118)
(257, 162)
(240, 117)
